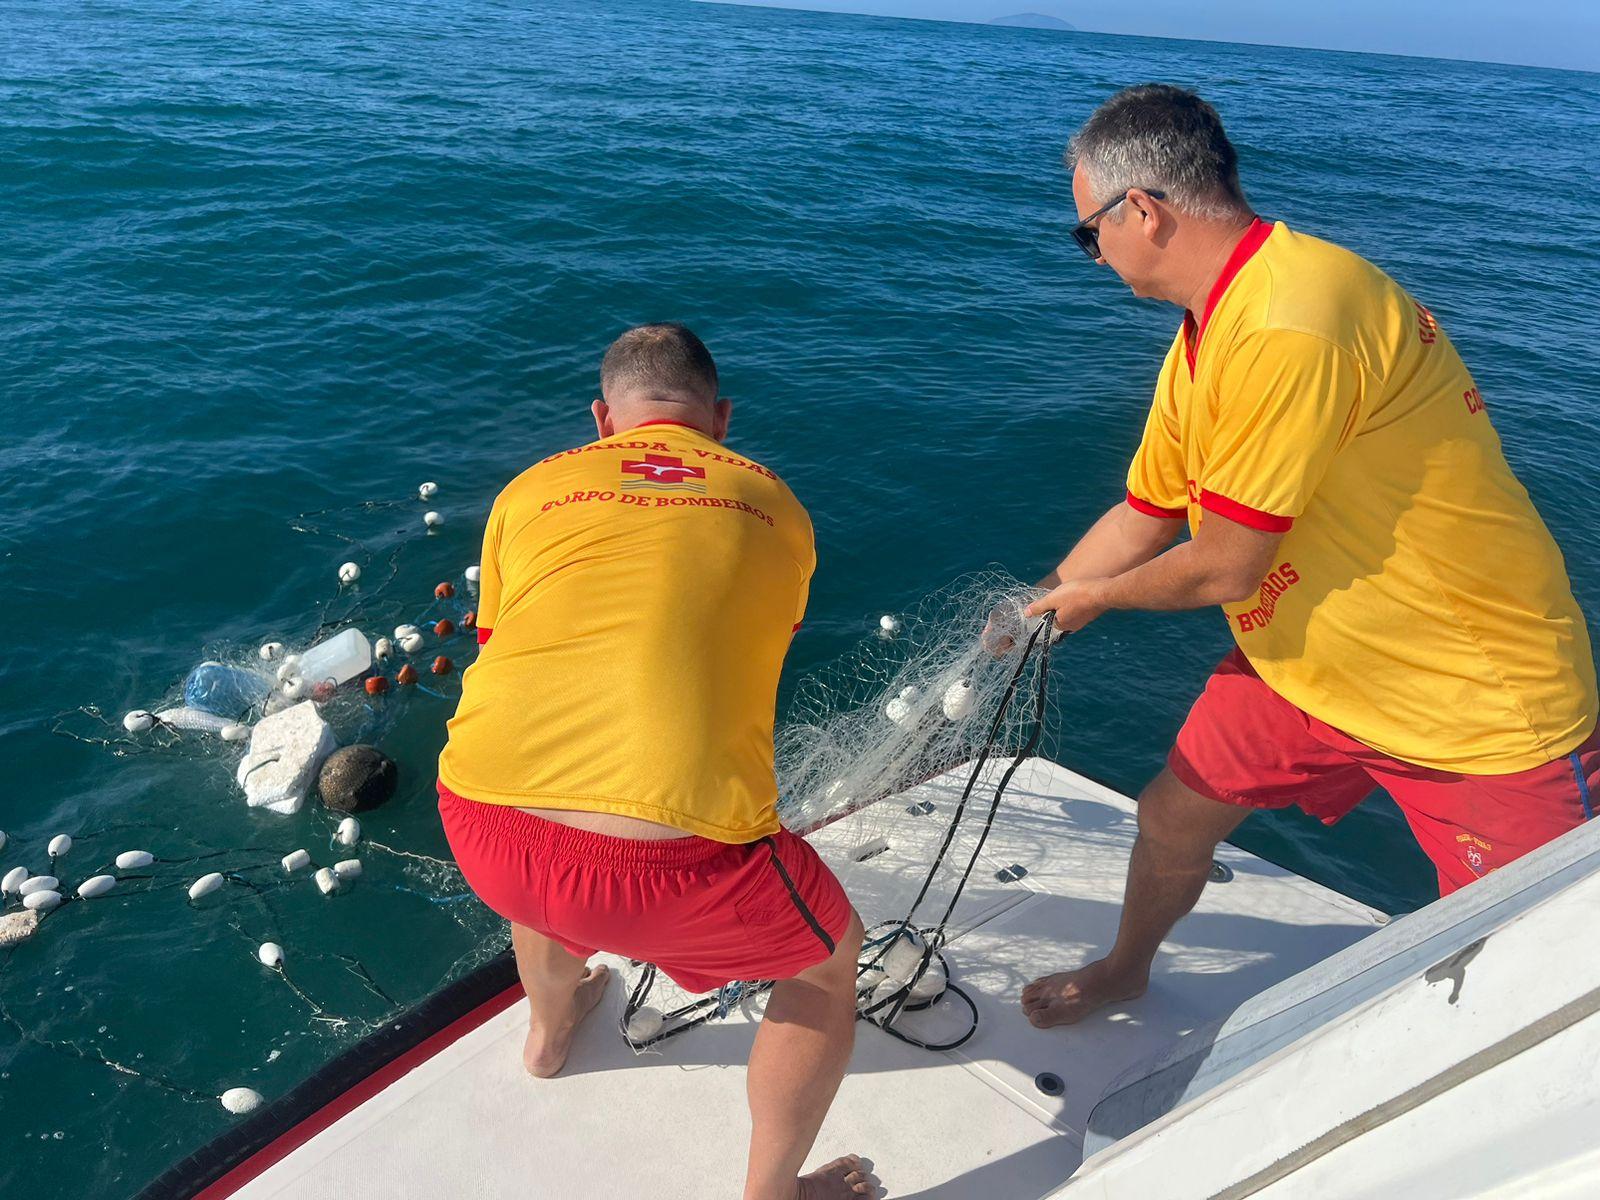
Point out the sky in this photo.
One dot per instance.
(1546, 33)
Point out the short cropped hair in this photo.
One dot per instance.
(664, 358)
(1164, 138)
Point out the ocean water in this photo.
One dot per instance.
(267, 268)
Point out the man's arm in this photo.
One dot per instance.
(1120, 540)
(1224, 563)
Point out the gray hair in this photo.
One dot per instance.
(1162, 138)
(665, 358)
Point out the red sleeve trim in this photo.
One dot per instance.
(1155, 510)
(796, 628)
(483, 634)
(1243, 514)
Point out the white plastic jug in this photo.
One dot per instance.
(337, 659)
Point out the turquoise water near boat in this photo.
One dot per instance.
(268, 269)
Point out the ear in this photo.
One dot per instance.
(602, 419)
(1154, 219)
(721, 411)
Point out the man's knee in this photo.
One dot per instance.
(1179, 819)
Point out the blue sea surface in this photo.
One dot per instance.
(268, 267)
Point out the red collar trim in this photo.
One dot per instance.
(679, 424)
(1243, 252)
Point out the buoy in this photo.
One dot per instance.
(903, 957)
(270, 650)
(38, 883)
(882, 998)
(473, 573)
(270, 954)
(296, 860)
(357, 778)
(382, 649)
(930, 986)
(411, 643)
(428, 491)
(60, 845)
(240, 1100)
(444, 591)
(644, 1024)
(889, 625)
(867, 982)
(138, 721)
(898, 710)
(404, 631)
(406, 675)
(3, 839)
(327, 881)
(132, 860)
(289, 668)
(469, 620)
(959, 699)
(350, 868)
(205, 885)
(41, 902)
(296, 688)
(348, 833)
(445, 628)
(432, 520)
(443, 666)
(97, 885)
(376, 685)
(349, 572)
(11, 885)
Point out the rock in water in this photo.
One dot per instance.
(17, 927)
(357, 778)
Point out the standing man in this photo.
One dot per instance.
(1403, 617)
(608, 781)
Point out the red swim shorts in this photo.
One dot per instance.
(1245, 744)
(706, 913)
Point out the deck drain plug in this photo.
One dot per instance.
(1049, 1083)
(1221, 872)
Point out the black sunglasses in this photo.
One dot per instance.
(1088, 237)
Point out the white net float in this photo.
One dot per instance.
(327, 881)
(139, 721)
(347, 870)
(96, 886)
(349, 572)
(38, 883)
(132, 860)
(41, 902)
(241, 1100)
(60, 845)
(270, 954)
(296, 860)
(427, 491)
(432, 520)
(348, 833)
(205, 885)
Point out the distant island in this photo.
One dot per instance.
(1034, 21)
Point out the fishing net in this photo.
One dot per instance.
(311, 929)
(892, 761)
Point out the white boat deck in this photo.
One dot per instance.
(671, 1123)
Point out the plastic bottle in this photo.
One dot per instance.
(338, 659)
(224, 691)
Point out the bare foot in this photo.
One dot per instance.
(545, 1052)
(1070, 996)
(839, 1180)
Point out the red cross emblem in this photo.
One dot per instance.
(662, 468)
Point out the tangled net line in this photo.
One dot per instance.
(960, 683)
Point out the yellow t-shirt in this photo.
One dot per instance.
(1420, 604)
(638, 595)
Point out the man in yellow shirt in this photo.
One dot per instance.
(608, 781)
(1402, 616)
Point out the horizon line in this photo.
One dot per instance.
(788, 6)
